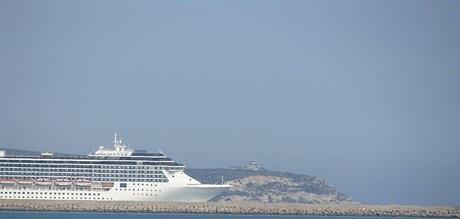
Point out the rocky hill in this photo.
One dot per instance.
(270, 186)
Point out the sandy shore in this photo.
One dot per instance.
(230, 208)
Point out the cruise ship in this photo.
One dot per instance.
(107, 174)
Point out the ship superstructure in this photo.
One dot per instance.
(118, 174)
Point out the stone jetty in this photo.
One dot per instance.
(229, 208)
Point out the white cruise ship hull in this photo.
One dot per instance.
(158, 192)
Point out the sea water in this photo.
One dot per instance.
(69, 215)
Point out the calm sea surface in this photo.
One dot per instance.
(60, 215)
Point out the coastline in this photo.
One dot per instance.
(230, 208)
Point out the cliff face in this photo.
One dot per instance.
(270, 186)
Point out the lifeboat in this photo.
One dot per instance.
(25, 181)
(63, 182)
(83, 182)
(8, 181)
(107, 184)
(43, 182)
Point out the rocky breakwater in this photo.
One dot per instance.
(229, 208)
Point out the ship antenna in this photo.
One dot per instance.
(115, 141)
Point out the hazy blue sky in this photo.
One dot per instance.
(363, 93)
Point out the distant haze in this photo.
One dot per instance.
(365, 94)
